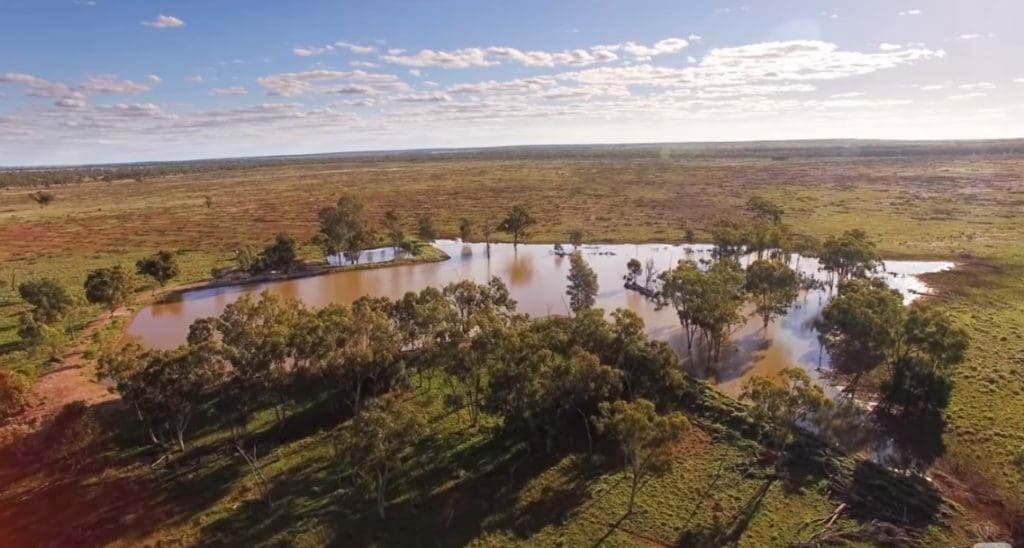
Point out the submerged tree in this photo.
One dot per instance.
(576, 238)
(644, 437)
(162, 267)
(729, 238)
(465, 229)
(717, 305)
(393, 224)
(516, 223)
(773, 286)
(682, 288)
(583, 286)
(633, 271)
(850, 255)
(860, 326)
(343, 229)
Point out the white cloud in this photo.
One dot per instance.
(1018, 80)
(424, 98)
(69, 96)
(136, 110)
(415, 72)
(89, 3)
(496, 55)
(965, 96)
(311, 51)
(164, 22)
(108, 83)
(694, 38)
(847, 95)
(977, 85)
(968, 36)
(70, 102)
(230, 91)
(195, 79)
(154, 79)
(910, 12)
(885, 46)
(363, 64)
(299, 83)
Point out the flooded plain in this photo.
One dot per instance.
(536, 278)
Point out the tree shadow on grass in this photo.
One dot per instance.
(460, 487)
(98, 495)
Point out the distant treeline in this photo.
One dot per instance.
(767, 150)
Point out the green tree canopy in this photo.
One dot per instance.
(343, 229)
(773, 286)
(49, 299)
(860, 326)
(583, 286)
(780, 403)
(161, 266)
(644, 437)
(376, 447)
(516, 223)
(111, 287)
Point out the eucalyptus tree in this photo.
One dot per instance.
(112, 287)
(782, 402)
(255, 336)
(343, 229)
(682, 288)
(729, 238)
(718, 304)
(930, 345)
(773, 286)
(650, 369)
(860, 327)
(516, 223)
(582, 290)
(850, 255)
(764, 209)
(161, 266)
(645, 439)
(393, 224)
(476, 337)
(376, 447)
(634, 269)
(465, 229)
(582, 383)
(49, 299)
(576, 238)
(371, 355)
(280, 254)
(426, 230)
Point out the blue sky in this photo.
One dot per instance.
(86, 81)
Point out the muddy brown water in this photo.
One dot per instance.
(536, 278)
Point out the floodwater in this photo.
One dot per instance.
(536, 278)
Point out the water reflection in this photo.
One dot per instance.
(536, 277)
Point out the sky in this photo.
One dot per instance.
(95, 81)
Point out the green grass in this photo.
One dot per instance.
(959, 208)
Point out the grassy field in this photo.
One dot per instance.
(966, 208)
